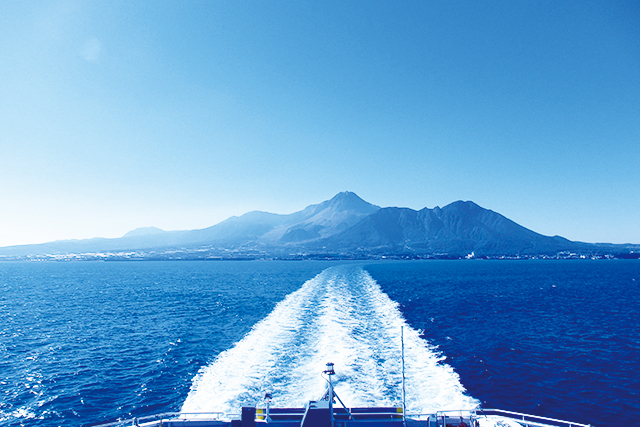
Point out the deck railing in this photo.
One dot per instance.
(158, 419)
(531, 420)
(439, 419)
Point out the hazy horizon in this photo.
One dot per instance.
(179, 115)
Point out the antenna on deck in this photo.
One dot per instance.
(404, 396)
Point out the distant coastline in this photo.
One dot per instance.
(133, 257)
(342, 228)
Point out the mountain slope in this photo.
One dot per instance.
(328, 218)
(315, 221)
(459, 228)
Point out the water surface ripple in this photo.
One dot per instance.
(89, 342)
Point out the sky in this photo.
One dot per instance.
(179, 114)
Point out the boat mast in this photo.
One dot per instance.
(404, 394)
(330, 372)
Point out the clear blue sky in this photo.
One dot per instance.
(123, 114)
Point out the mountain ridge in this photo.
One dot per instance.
(458, 228)
(345, 225)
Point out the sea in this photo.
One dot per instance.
(84, 343)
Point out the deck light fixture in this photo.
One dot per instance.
(329, 370)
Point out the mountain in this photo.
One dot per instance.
(344, 226)
(459, 228)
(316, 221)
(253, 229)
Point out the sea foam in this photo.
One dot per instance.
(339, 316)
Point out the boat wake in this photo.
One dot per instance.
(340, 316)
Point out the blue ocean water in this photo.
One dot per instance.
(82, 343)
(551, 338)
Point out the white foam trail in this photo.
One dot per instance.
(339, 316)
